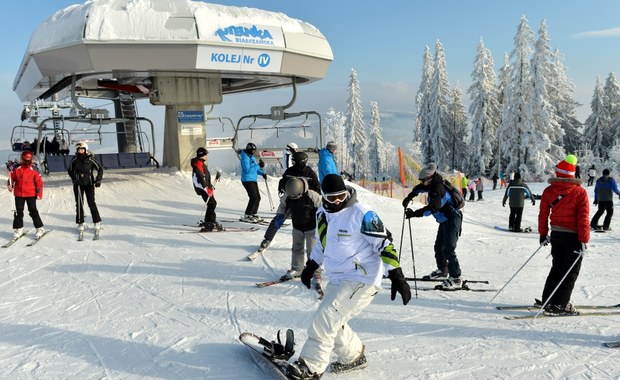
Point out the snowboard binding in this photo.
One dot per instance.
(277, 350)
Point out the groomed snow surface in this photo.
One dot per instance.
(148, 301)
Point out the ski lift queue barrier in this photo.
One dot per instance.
(109, 161)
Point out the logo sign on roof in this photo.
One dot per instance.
(250, 34)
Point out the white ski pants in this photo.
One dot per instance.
(330, 331)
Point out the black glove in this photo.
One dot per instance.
(503, 204)
(308, 272)
(409, 213)
(406, 202)
(595, 202)
(265, 176)
(544, 239)
(261, 163)
(533, 202)
(399, 284)
(97, 184)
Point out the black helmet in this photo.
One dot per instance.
(300, 159)
(201, 152)
(296, 187)
(250, 147)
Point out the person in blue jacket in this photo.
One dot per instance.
(250, 169)
(327, 164)
(442, 207)
(604, 191)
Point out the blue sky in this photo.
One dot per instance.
(384, 42)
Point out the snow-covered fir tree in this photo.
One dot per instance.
(484, 112)
(502, 82)
(517, 113)
(439, 118)
(561, 98)
(459, 135)
(612, 94)
(423, 122)
(356, 130)
(335, 123)
(376, 148)
(596, 128)
(545, 136)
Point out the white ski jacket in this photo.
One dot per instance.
(358, 247)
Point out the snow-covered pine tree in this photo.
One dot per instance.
(335, 122)
(375, 143)
(502, 83)
(612, 93)
(596, 127)
(561, 98)
(516, 114)
(356, 130)
(439, 118)
(484, 112)
(545, 136)
(460, 132)
(423, 123)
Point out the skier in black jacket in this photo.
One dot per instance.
(201, 179)
(300, 169)
(81, 170)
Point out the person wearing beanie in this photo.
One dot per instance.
(591, 174)
(203, 186)
(250, 170)
(300, 169)
(443, 207)
(287, 155)
(563, 221)
(327, 163)
(26, 184)
(604, 191)
(516, 193)
(354, 248)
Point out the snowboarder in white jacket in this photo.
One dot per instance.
(355, 249)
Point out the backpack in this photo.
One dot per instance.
(458, 202)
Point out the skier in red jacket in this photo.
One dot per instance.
(26, 184)
(564, 205)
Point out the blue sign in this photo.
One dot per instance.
(190, 117)
(263, 60)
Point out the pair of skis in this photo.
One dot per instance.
(464, 287)
(586, 311)
(317, 285)
(33, 242)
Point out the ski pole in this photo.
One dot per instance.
(402, 231)
(579, 256)
(269, 194)
(415, 282)
(514, 275)
(80, 208)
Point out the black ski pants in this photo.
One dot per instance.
(18, 216)
(514, 220)
(88, 191)
(252, 189)
(563, 248)
(211, 205)
(445, 245)
(603, 206)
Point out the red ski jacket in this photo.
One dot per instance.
(26, 182)
(568, 213)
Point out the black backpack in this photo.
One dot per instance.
(458, 202)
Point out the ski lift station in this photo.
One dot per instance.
(184, 55)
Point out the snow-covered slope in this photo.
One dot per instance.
(150, 302)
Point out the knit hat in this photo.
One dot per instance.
(201, 152)
(605, 171)
(427, 171)
(517, 175)
(332, 183)
(566, 168)
(331, 146)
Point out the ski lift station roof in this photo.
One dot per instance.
(122, 45)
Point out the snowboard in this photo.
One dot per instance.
(272, 357)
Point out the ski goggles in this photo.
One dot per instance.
(336, 198)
